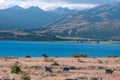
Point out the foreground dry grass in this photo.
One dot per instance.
(86, 67)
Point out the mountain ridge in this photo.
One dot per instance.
(101, 22)
(32, 17)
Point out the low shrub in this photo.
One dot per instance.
(25, 77)
(15, 69)
(99, 61)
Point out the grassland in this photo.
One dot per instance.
(85, 67)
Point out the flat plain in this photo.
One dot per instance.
(84, 67)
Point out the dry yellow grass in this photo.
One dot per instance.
(86, 67)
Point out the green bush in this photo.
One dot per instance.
(15, 69)
(25, 77)
(79, 55)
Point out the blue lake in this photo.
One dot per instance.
(60, 49)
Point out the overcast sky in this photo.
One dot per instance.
(52, 4)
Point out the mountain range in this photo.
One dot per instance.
(19, 18)
(101, 22)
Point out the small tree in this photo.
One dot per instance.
(25, 77)
(15, 69)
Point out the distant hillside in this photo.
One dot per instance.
(33, 17)
(102, 22)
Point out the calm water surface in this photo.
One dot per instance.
(60, 49)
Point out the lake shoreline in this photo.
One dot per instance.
(89, 42)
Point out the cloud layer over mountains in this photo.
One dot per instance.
(52, 4)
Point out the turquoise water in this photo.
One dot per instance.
(60, 49)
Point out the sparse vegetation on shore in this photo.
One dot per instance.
(15, 69)
(59, 68)
(25, 77)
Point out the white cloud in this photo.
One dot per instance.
(44, 4)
